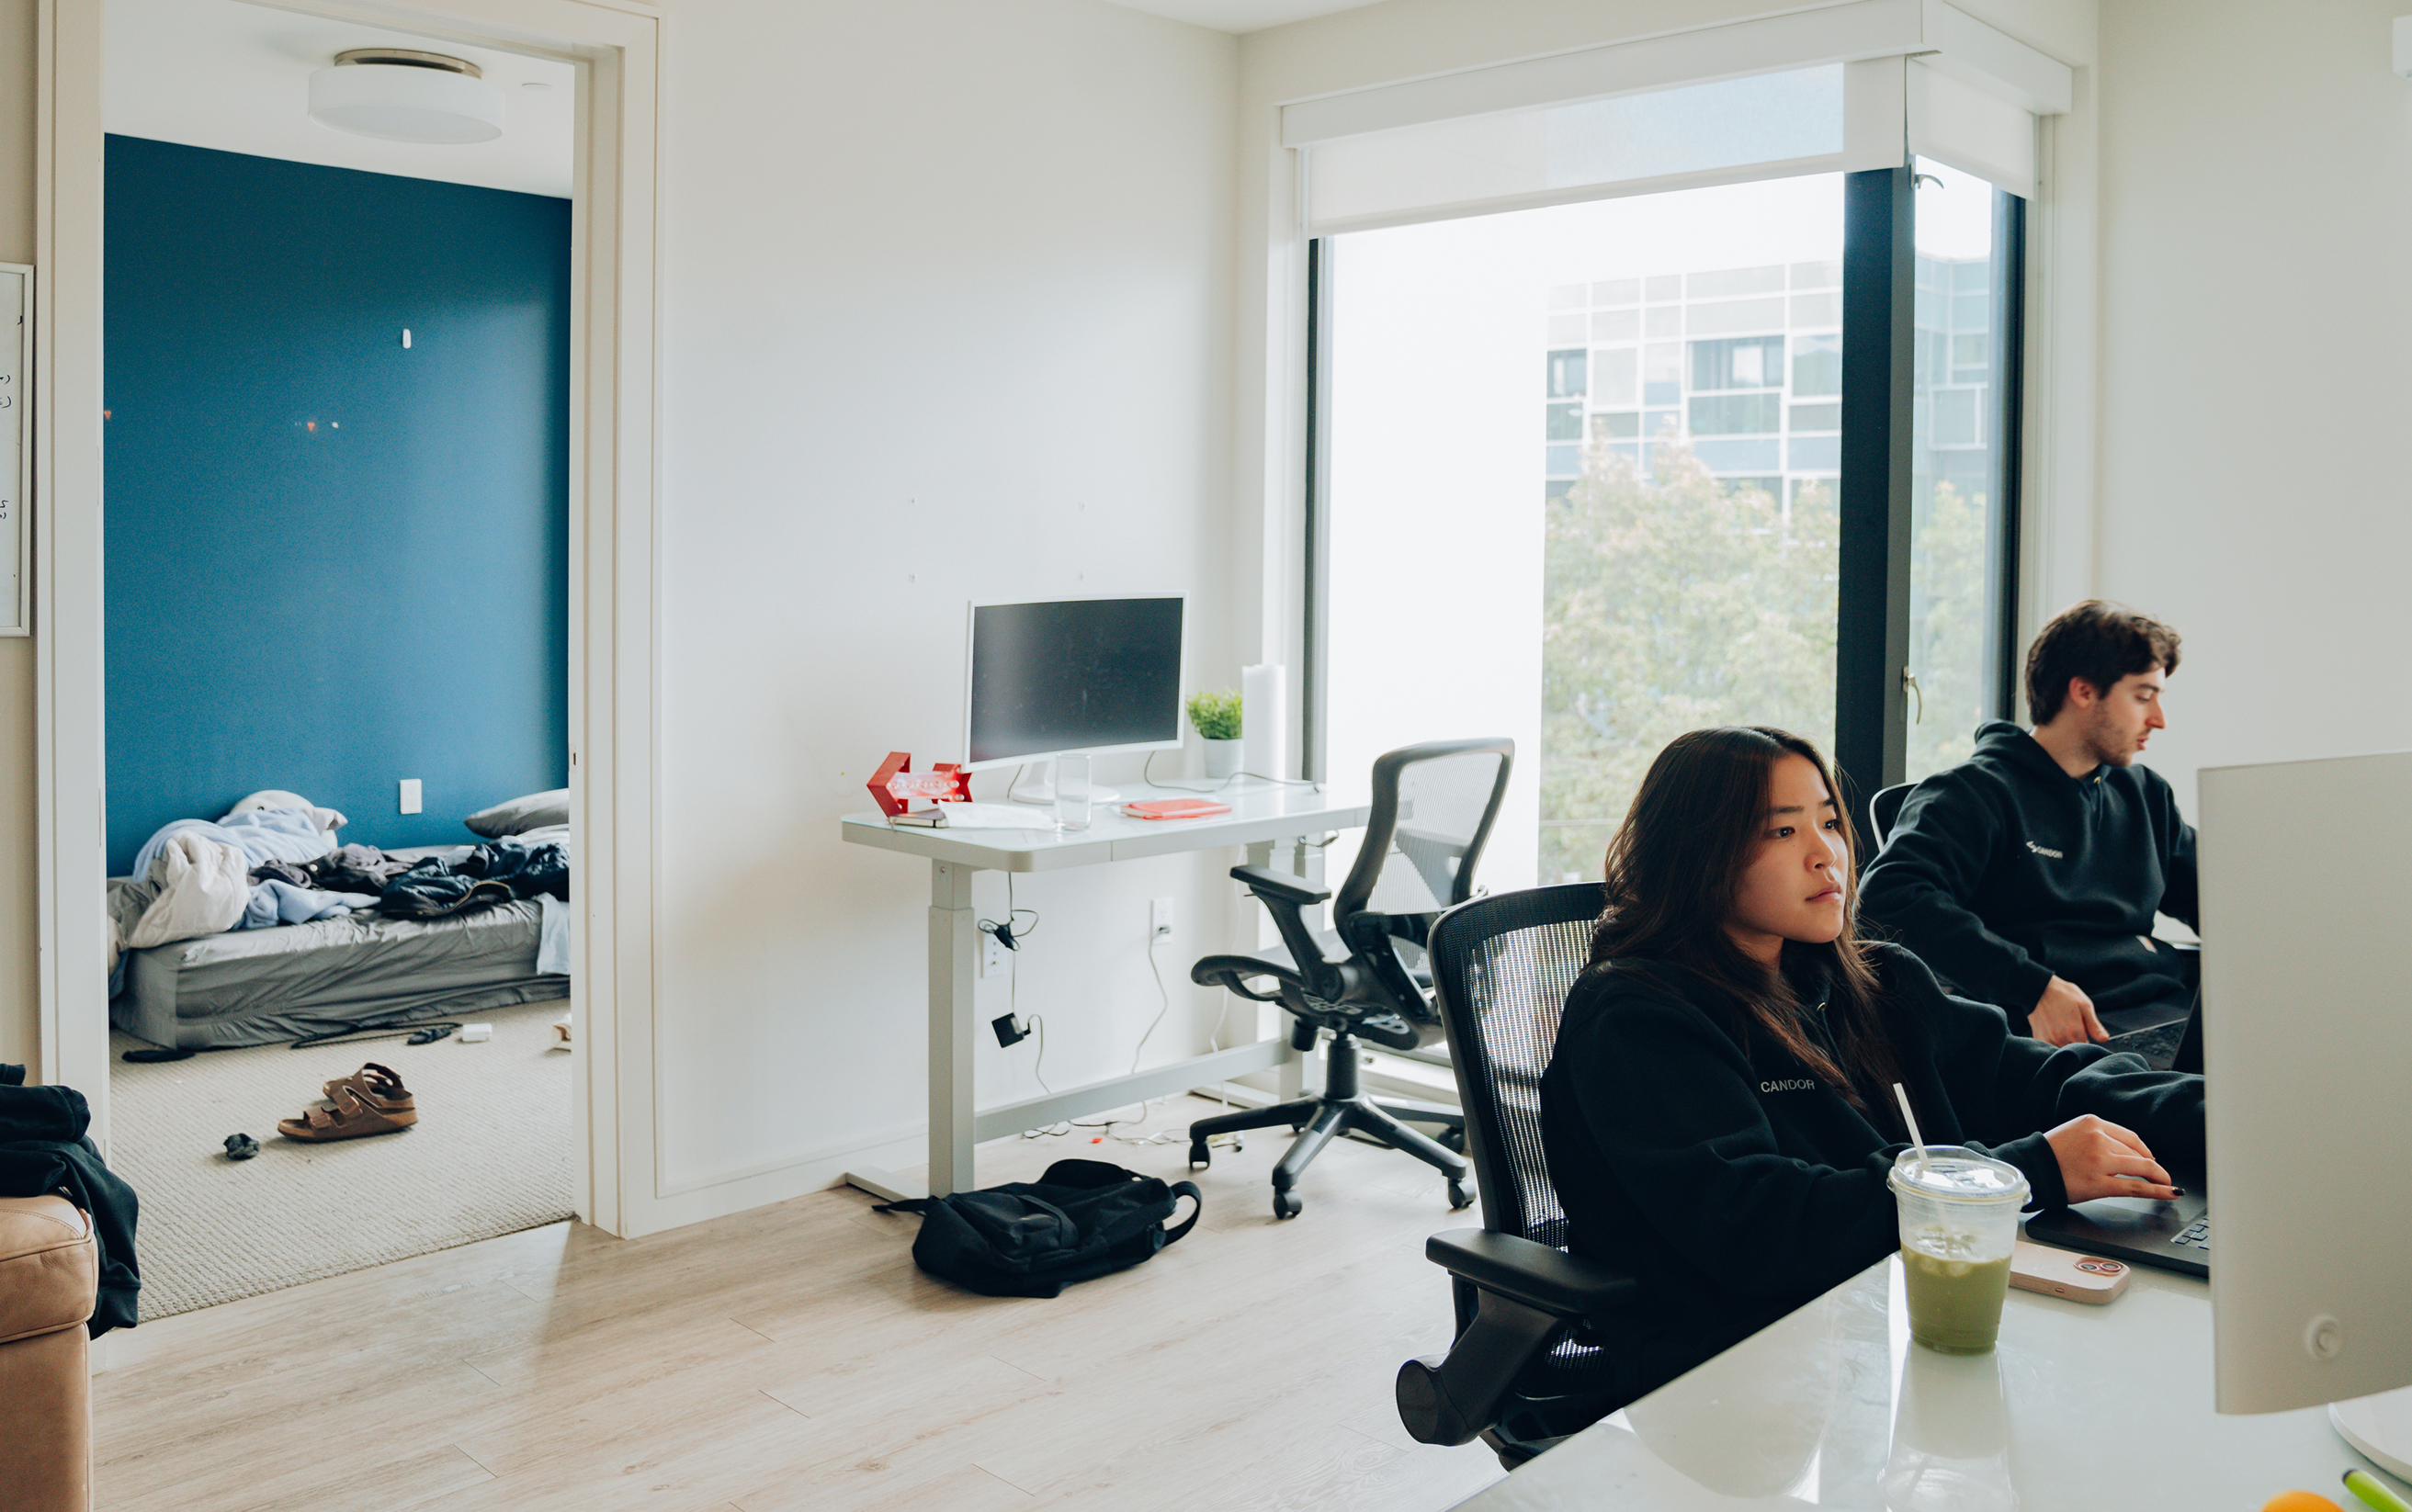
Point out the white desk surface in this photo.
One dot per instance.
(2080, 1407)
(1259, 812)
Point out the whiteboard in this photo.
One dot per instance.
(16, 448)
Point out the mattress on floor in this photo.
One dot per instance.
(262, 987)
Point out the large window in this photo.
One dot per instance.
(1582, 480)
(1581, 472)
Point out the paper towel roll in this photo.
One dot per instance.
(1264, 720)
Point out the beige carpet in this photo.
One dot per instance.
(489, 1154)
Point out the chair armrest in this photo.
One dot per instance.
(1284, 896)
(1566, 1285)
(1526, 1295)
(1265, 881)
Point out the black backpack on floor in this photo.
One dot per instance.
(1080, 1220)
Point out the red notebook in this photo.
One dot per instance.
(1175, 808)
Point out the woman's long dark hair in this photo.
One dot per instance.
(1672, 874)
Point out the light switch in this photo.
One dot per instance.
(410, 795)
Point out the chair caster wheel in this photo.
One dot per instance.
(1286, 1205)
(1459, 1196)
(1453, 1140)
(1199, 1156)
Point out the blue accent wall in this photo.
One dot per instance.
(332, 563)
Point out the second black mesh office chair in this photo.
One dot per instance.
(1367, 979)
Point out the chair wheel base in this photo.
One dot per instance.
(1459, 1196)
(1199, 1156)
(1286, 1205)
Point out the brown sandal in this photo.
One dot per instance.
(379, 1086)
(356, 1105)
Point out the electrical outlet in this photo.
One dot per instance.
(410, 795)
(1159, 920)
(992, 955)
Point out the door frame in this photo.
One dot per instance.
(614, 531)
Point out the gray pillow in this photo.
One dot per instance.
(520, 814)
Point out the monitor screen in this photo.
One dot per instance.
(1083, 674)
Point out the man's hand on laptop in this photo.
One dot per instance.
(2099, 1159)
(2064, 1016)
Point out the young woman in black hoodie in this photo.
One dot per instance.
(1719, 1115)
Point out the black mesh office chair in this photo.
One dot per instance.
(1519, 1373)
(1366, 980)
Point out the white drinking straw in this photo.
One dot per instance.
(1911, 1119)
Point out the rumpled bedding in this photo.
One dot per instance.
(260, 834)
(202, 872)
(273, 859)
(281, 903)
(204, 886)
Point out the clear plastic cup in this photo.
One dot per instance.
(1072, 792)
(1958, 1223)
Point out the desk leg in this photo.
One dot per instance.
(954, 952)
(1290, 1077)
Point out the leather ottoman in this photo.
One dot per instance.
(50, 1279)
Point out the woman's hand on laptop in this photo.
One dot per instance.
(2064, 1016)
(2099, 1159)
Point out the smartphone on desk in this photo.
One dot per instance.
(2081, 1278)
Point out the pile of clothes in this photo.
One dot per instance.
(273, 859)
(443, 886)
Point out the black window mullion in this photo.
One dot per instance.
(1315, 637)
(1872, 605)
(2008, 369)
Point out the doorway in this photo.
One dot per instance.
(610, 607)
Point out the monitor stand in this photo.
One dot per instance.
(1043, 792)
(2381, 1426)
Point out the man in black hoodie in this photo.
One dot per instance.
(2028, 876)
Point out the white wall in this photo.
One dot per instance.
(947, 316)
(2255, 458)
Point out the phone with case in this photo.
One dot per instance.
(2081, 1278)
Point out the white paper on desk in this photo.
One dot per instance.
(994, 817)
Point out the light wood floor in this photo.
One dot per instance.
(791, 1358)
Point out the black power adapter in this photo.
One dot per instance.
(1009, 1030)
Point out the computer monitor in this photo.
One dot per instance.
(2307, 1044)
(1077, 675)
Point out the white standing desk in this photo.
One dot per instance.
(1261, 814)
(2079, 1407)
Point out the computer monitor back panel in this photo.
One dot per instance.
(2307, 1023)
(1081, 674)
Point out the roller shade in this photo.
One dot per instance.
(1858, 86)
(1978, 132)
(1781, 123)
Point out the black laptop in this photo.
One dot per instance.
(2175, 1236)
(2170, 1045)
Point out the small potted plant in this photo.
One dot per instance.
(1217, 719)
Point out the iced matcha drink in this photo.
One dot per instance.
(1959, 1223)
(1955, 1305)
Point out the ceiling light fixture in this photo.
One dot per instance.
(402, 95)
